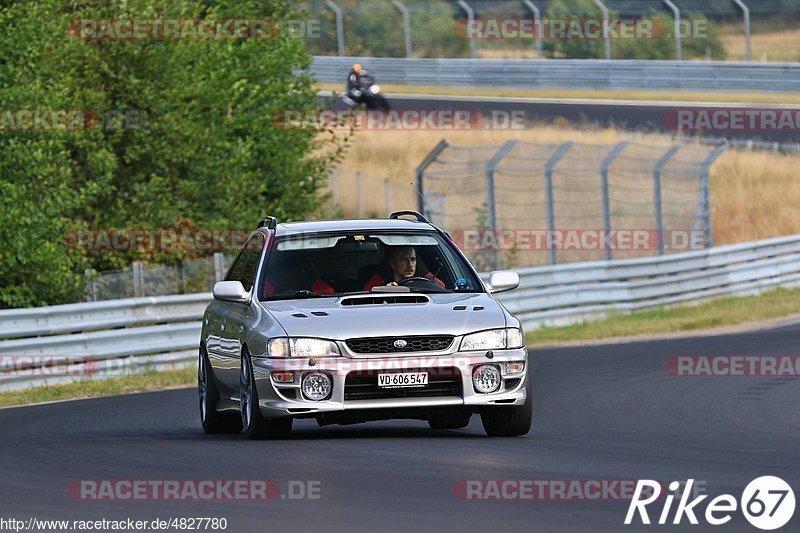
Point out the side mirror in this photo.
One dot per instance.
(230, 291)
(503, 280)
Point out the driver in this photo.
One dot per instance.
(403, 260)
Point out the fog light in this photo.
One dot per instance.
(316, 386)
(486, 378)
(515, 367)
(283, 377)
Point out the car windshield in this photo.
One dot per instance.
(326, 265)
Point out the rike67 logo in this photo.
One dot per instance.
(767, 503)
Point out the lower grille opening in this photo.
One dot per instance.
(363, 385)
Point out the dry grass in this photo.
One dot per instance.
(753, 194)
(770, 43)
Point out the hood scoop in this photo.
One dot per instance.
(377, 299)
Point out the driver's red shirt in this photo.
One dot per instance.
(376, 280)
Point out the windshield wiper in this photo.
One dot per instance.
(296, 295)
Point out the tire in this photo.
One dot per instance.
(256, 426)
(378, 103)
(509, 421)
(449, 422)
(213, 421)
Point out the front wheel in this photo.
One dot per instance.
(509, 421)
(255, 425)
(212, 420)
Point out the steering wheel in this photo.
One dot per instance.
(406, 281)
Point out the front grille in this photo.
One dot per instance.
(363, 385)
(387, 344)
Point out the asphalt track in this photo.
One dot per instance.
(637, 116)
(602, 412)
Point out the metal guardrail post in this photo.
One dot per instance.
(615, 152)
(746, 13)
(537, 27)
(406, 25)
(491, 204)
(419, 175)
(657, 200)
(560, 152)
(138, 279)
(219, 266)
(339, 25)
(470, 23)
(705, 199)
(90, 277)
(606, 31)
(677, 13)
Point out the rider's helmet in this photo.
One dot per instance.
(357, 68)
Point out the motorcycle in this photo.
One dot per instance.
(368, 93)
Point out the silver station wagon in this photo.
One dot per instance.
(350, 321)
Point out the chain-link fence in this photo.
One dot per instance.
(142, 279)
(524, 204)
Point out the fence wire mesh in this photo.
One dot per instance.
(525, 204)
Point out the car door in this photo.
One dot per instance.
(237, 316)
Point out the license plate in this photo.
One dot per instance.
(402, 379)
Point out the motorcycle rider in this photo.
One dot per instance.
(354, 81)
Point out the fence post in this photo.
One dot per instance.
(560, 152)
(419, 175)
(470, 26)
(704, 206)
(406, 25)
(138, 279)
(90, 278)
(606, 31)
(657, 201)
(677, 13)
(387, 188)
(746, 12)
(537, 27)
(360, 191)
(615, 152)
(219, 266)
(491, 204)
(339, 25)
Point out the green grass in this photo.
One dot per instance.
(151, 381)
(709, 314)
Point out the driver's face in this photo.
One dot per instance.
(404, 264)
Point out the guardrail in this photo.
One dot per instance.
(106, 338)
(569, 73)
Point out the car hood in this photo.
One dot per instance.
(338, 319)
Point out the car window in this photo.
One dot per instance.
(244, 267)
(331, 264)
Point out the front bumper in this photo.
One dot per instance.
(286, 399)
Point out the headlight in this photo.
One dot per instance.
(302, 347)
(493, 339)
